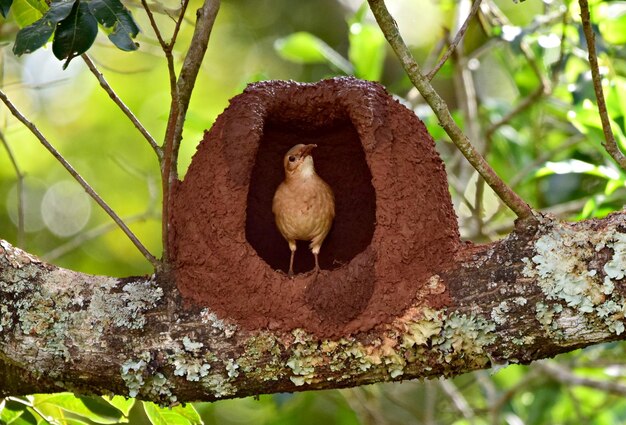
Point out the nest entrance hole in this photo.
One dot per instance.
(340, 160)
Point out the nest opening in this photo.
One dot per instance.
(340, 160)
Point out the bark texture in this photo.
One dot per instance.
(549, 287)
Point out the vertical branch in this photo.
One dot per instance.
(609, 142)
(184, 88)
(33, 129)
(439, 107)
(167, 48)
(20, 191)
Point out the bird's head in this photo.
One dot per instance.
(298, 161)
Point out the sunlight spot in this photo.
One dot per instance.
(65, 208)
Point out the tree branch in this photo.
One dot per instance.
(390, 29)
(457, 39)
(167, 48)
(33, 129)
(184, 88)
(20, 190)
(610, 144)
(107, 88)
(547, 288)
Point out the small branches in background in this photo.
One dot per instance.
(390, 29)
(610, 144)
(20, 190)
(90, 191)
(129, 114)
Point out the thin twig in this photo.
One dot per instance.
(390, 29)
(566, 377)
(457, 39)
(609, 143)
(205, 18)
(91, 234)
(530, 100)
(154, 25)
(167, 49)
(430, 401)
(107, 88)
(436, 51)
(458, 400)
(17, 114)
(20, 191)
(181, 18)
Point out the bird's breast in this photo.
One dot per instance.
(304, 209)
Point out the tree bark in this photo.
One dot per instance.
(548, 288)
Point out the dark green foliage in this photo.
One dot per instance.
(37, 34)
(74, 24)
(112, 14)
(75, 34)
(5, 5)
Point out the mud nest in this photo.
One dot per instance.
(394, 224)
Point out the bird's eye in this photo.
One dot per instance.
(292, 158)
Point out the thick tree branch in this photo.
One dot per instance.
(547, 288)
(439, 107)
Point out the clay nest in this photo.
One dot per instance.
(394, 225)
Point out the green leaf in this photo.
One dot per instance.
(75, 34)
(16, 413)
(304, 47)
(26, 12)
(122, 404)
(613, 185)
(367, 46)
(177, 415)
(589, 208)
(5, 5)
(36, 35)
(612, 21)
(367, 50)
(576, 166)
(112, 14)
(93, 408)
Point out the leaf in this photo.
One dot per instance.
(612, 20)
(36, 35)
(26, 12)
(122, 404)
(5, 5)
(75, 34)
(576, 166)
(304, 47)
(16, 413)
(178, 415)
(367, 50)
(367, 46)
(93, 408)
(589, 208)
(112, 14)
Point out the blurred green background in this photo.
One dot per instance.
(518, 85)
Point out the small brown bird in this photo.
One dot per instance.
(304, 204)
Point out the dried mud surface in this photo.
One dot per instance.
(394, 227)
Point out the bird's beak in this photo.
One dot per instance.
(306, 150)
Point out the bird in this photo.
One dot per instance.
(303, 204)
